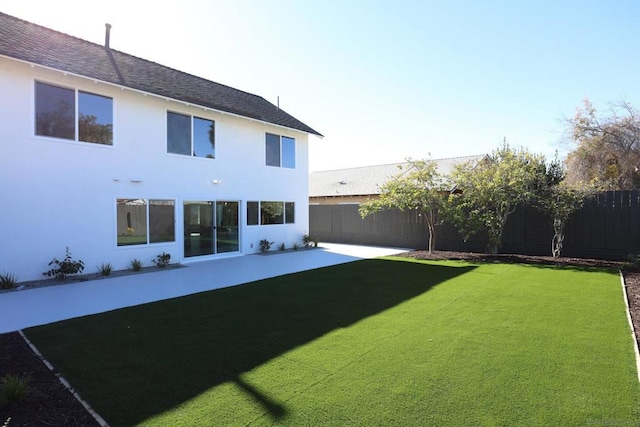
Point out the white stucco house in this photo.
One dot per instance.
(120, 158)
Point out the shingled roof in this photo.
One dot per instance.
(40, 45)
(367, 180)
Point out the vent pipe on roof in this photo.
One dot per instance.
(107, 35)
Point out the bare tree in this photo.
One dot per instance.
(607, 148)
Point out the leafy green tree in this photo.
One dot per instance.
(559, 199)
(417, 186)
(490, 190)
(606, 147)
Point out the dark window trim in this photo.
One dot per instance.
(285, 220)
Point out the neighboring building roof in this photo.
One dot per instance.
(367, 180)
(40, 45)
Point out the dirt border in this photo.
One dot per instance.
(64, 382)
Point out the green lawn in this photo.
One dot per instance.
(376, 342)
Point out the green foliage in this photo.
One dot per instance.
(162, 260)
(68, 266)
(265, 245)
(558, 199)
(632, 262)
(295, 246)
(271, 210)
(90, 130)
(419, 186)
(490, 191)
(8, 281)
(13, 388)
(105, 269)
(136, 264)
(309, 241)
(282, 247)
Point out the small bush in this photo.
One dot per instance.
(65, 267)
(265, 245)
(282, 247)
(105, 269)
(136, 264)
(162, 260)
(309, 242)
(632, 262)
(295, 246)
(8, 281)
(13, 388)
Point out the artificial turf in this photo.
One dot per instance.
(375, 342)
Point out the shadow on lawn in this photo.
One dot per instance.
(136, 363)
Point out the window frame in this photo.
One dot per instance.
(148, 224)
(283, 156)
(192, 136)
(286, 206)
(76, 114)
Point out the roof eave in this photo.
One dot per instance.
(167, 98)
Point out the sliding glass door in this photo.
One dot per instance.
(227, 227)
(210, 227)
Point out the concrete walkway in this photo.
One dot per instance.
(22, 309)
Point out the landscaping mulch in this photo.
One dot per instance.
(49, 403)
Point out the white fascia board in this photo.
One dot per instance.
(188, 104)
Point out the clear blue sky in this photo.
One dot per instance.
(387, 80)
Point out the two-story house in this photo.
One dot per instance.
(120, 158)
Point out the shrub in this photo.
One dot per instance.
(105, 269)
(309, 241)
(65, 267)
(13, 388)
(632, 262)
(136, 264)
(8, 281)
(162, 260)
(282, 247)
(265, 245)
(295, 246)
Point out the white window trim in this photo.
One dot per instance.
(76, 137)
(147, 206)
(191, 116)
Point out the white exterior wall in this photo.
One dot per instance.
(56, 193)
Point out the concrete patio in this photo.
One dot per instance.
(23, 309)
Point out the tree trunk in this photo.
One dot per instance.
(432, 236)
(558, 237)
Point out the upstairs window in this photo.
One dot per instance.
(190, 136)
(73, 115)
(280, 151)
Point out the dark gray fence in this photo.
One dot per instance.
(606, 227)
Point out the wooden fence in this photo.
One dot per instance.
(606, 227)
